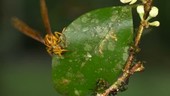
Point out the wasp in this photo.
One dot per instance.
(54, 42)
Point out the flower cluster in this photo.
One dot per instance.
(153, 13)
(140, 9)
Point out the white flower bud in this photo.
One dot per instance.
(125, 1)
(140, 10)
(128, 1)
(132, 2)
(153, 12)
(155, 23)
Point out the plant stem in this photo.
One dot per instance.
(139, 34)
(130, 68)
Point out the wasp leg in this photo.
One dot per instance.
(49, 50)
(61, 37)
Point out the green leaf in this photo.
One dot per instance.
(97, 44)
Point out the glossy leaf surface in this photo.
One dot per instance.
(97, 44)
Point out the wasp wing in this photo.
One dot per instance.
(24, 28)
(45, 18)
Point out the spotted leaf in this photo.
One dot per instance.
(97, 44)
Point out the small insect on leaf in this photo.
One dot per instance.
(55, 44)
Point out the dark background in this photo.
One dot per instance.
(25, 66)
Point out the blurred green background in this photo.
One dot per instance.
(25, 66)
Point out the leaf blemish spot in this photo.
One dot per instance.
(76, 92)
(109, 37)
(87, 47)
(88, 56)
(124, 54)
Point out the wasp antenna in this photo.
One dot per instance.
(45, 18)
